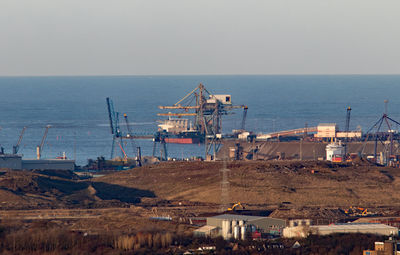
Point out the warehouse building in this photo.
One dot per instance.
(241, 226)
(363, 228)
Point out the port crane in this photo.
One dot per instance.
(347, 128)
(128, 127)
(207, 110)
(39, 148)
(207, 107)
(16, 147)
(118, 136)
(243, 126)
(114, 128)
(385, 137)
(130, 136)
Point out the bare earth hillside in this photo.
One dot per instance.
(293, 184)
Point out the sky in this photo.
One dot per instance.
(184, 37)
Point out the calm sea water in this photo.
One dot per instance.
(76, 107)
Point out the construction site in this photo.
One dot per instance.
(283, 186)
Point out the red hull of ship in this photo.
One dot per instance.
(182, 140)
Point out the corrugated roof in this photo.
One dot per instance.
(355, 227)
(206, 228)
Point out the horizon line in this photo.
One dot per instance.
(160, 75)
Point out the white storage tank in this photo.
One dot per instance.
(335, 152)
(227, 229)
(243, 232)
(236, 232)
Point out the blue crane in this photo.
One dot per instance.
(114, 128)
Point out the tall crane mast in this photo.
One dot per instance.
(16, 147)
(113, 117)
(39, 148)
(129, 135)
(347, 128)
(244, 118)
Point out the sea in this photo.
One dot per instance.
(76, 109)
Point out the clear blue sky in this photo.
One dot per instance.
(104, 37)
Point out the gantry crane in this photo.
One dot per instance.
(16, 147)
(207, 107)
(207, 110)
(385, 137)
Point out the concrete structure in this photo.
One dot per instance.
(48, 164)
(364, 228)
(350, 134)
(206, 231)
(302, 231)
(296, 232)
(335, 152)
(298, 228)
(232, 225)
(326, 130)
(11, 161)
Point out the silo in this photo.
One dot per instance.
(234, 223)
(243, 232)
(224, 229)
(236, 232)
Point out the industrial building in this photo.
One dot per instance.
(325, 130)
(241, 226)
(303, 231)
(363, 228)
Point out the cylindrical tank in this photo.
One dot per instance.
(243, 232)
(224, 229)
(241, 222)
(236, 232)
(229, 225)
(233, 224)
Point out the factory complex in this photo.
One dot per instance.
(242, 227)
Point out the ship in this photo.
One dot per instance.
(176, 130)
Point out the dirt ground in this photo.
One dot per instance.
(126, 200)
(286, 185)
